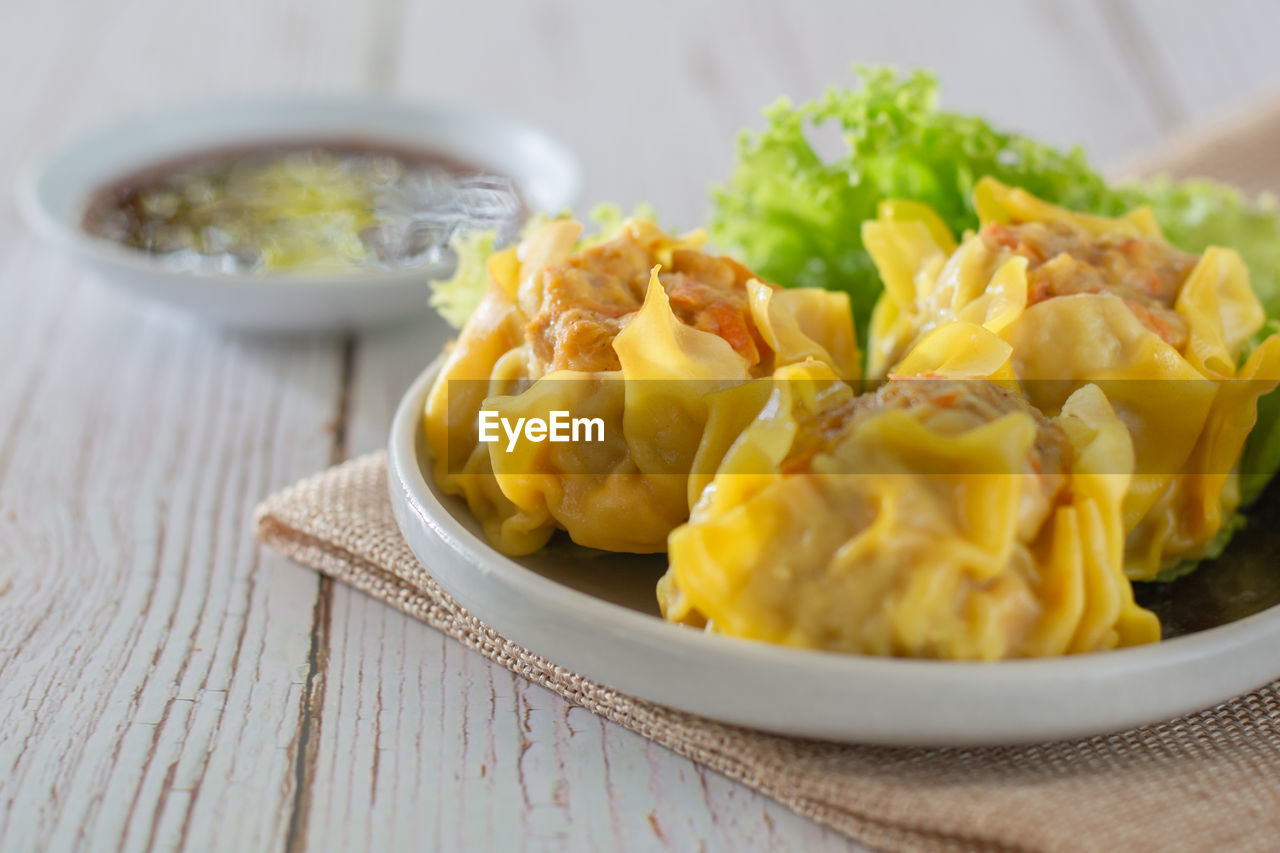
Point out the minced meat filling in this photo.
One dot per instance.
(950, 406)
(590, 298)
(1063, 260)
(710, 293)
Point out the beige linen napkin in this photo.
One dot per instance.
(1210, 781)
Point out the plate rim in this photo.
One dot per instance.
(419, 513)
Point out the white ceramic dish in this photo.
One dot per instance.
(53, 195)
(596, 615)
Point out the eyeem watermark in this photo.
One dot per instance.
(1172, 412)
(560, 427)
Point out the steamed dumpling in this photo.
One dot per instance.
(645, 332)
(1057, 299)
(932, 518)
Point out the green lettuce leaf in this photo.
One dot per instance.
(795, 217)
(456, 297)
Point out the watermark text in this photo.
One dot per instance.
(559, 427)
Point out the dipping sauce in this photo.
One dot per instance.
(310, 206)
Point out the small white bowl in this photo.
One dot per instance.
(54, 193)
(595, 614)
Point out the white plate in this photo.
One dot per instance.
(53, 195)
(596, 616)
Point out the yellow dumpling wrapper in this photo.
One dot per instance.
(958, 350)
(914, 534)
(1172, 398)
(595, 334)
(998, 202)
(1189, 513)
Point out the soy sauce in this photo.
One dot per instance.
(338, 206)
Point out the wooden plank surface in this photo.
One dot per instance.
(164, 684)
(152, 658)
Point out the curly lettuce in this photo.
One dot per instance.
(456, 297)
(796, 217)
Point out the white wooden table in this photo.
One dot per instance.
(164, 682)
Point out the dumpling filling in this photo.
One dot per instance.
(589, 298)
(1063, 260)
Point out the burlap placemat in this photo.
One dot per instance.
(1210, 781)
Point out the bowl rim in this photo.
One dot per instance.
(415, 504)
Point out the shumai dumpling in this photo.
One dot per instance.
(931, 518)
(1075, 299)
(645, 333)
